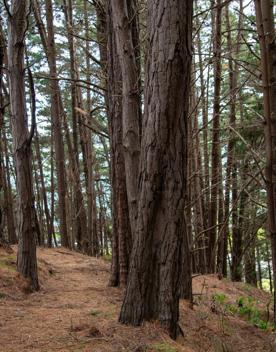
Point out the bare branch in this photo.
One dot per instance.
(7, 7)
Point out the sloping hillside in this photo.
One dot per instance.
(76, 311)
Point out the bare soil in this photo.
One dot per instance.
(75, 310)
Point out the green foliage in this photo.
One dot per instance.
(107, 257)
(95, 313)
(246, 308)
(8, 263)
(219, 298)
(2, 295)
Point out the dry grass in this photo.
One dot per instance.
(76, 311)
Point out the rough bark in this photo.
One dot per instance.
(43, 191)
(73, 148)
(26, 257)
(122, 23)
(2, 111)
(250, 262)
(198, 193)
(50, 49)
(267, 37)
(121, 243)
(156, 266)
(8, 194)
(88, 145)
(213, 216)
(204, 108)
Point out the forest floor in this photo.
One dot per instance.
(75, 310)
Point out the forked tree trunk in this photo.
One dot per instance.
(26, 257)
(156, 266)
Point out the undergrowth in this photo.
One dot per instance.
(245, 307)
(8, 262)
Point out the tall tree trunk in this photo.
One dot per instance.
(92, 211)
(237, 240)
(250, 261)
(43, 191)
(204, 108)
(1, 187)
(122, 23)
(213, 217)
(121, 239)
(81, 218)
(233, 85)
(50, 50)
(2, 112)
(39, 219)
(260, 275)
(269, 267)
(198, 193)
(267, 36)
(156, 266)
(26, 257)
(8, 193)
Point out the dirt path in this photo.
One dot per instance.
(76, 311)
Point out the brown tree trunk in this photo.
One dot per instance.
(90, 186)
(50, 50)
(267, 37)
(204, 108)
(233, 85)
(81, 218)
(121, 238)
(26, 257)
(43, 191)
(39, 219)
(156, 266)
(237, 237)
(221, 245)
(260, 275)
(122, 24)
(8, 194)
(250, 262)
(2, 239)
(198, 193)
(2, 111)
(213, 216)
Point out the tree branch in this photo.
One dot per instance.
(7, 8)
